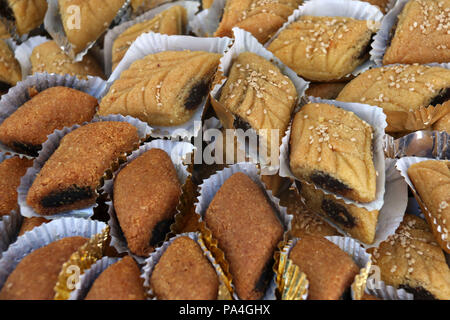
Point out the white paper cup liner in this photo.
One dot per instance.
(9, 229)
(87, 279)
(177, 151)
(209, 189)
(207, 21)
(23, 53)
(112, 34)
(373, 116)
(151, 43)
(385, 292)
(48, 148)
(44, 235)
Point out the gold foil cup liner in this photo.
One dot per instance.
(359, 284)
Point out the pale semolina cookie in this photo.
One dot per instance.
(26, 14)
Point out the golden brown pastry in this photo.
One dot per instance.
(141, 6)
(4, 33)
(26, 14)
(262, 18)
(207, 3)
(328, 91)
(421, 33)
(443, 124)
(10, 71)
(323, 48)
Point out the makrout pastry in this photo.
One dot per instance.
(247, 228)
(332, 148)
(421, 34)
(120, 281)
(262, 18)
(329, 270)
(27, 128)
(29, 224)
(356, 221)
(146, 195)
(323, 48)
(10, 71)
(431, 180)
(26, 14)
(163, 89)
(48, 57)
(36, 275)
(94, 18)
(11, 171)
(328, 91)
(70, 177)
(184, 273)
(259, 96)
(171, 22)
(399, 89)
(412, 260)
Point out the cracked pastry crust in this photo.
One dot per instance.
(262, 18)
(48, 57)
(421, 34)
(27, 14)
(171, 22)
(163, 89)
(95, 18)
(399, 89)
(411, 259)
(172, 280)
(70, 177)
(323, 48)
(10, 71)
(248, 231)
(259, 96)
(332, 148)
(146, 194)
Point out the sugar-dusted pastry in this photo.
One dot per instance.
(11, 171)
(4, 33)
(26, 14)
(247, 228)
(171, 22)
(29, 224)
(184, 273)
(332, 148)
(421, 34)
(70, 177)
(48, 57)
(10, 71)
(36, 275)
(54, 108)
(146, 194)
(323, 48)
(329, 270)
(262, 18)
(259, 96)
(328, 90)
(163, 89)
(399, 89)
(120, 281)
(411, 260)
(95, 18)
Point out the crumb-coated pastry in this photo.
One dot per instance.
(146, 195)
(4, 33)
(421, 34)
(323, 48)
(26, 14)
(259, 96)
(163, 89)
(412, 260)
(443, 124)
(48, 57)
(329, 270)
(95, 18)
(328, 91)
(10, 71)
(184, 273)
(70, 177)
(332, 148)
(51, 109)
(120, 281)
(356, 221)
(262, 18)
(11, 171)
(29, 224)
(248, 230)
(35, 277)
(431, 180)
(172, 21)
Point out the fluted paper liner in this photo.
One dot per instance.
(153, 259)
(80, 260)
(50, 146)
(385, 292)
(207, 21)
(23, 53)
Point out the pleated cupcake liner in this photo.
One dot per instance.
(383, 291)
(112, 34)
(178, 151)
(24, 51)
(50, 146)
(155, 257)
(208, 190)
(42, 236)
